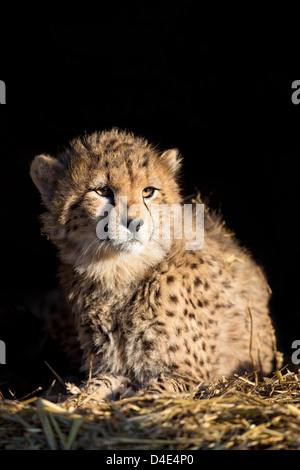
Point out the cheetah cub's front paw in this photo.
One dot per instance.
(167, 383)
(108, 387)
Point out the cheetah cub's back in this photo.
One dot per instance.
(150, 312)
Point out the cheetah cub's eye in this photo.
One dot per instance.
(148, 192)
(105, 191)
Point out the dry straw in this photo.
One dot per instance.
(241, 413)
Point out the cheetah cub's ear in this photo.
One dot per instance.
(44, 172)
(172, 159)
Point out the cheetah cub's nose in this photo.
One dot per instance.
(134, 225)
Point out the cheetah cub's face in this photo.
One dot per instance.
(103, 195)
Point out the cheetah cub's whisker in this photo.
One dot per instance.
(155, 312)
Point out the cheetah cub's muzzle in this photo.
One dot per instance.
(123, 228)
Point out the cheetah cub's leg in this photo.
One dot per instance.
(108, 387)
(166, 383)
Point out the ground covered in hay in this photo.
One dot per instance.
(243, 413)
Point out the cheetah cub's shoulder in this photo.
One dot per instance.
(152, 313)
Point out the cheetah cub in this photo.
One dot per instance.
(151, 314)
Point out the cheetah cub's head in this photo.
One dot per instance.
(105, 197)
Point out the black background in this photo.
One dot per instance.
(228, 112)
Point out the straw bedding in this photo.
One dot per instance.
(242, 413)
